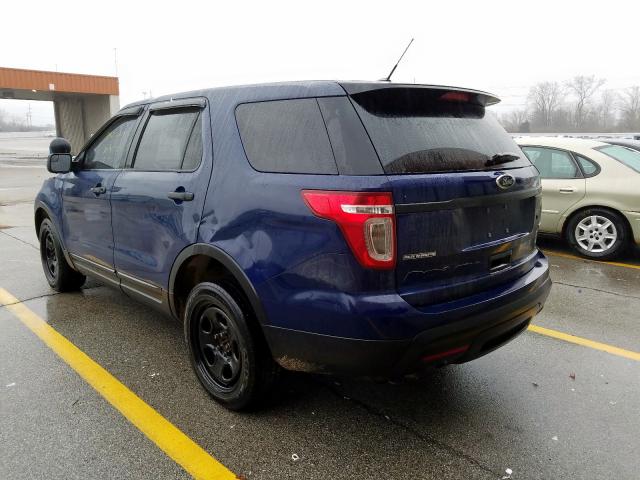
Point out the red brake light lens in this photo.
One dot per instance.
(367, 221)
(456, 96)
(447, 353)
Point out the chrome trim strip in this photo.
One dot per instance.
(138, 292)
(368, 209)
(493, 243)
(137, 280)
(98, 274)
(92, 263)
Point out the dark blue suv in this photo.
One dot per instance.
(335, 227)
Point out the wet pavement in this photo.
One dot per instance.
(541, 407)
(22, 167)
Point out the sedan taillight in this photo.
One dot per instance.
(367, 221)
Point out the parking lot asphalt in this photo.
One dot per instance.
(541, 407)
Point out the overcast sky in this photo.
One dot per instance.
(165, 47)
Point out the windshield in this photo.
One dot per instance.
(631, 158)
(421, 131)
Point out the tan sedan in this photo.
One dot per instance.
(590, 192)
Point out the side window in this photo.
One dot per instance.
(165, 140)
(351, 146)
(193, 154)
(286, 136)
(588, 167)
(552, 163)
(110, 149)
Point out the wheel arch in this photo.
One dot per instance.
(42, 212)
(569, 217)
(215, 254)
(39, 215)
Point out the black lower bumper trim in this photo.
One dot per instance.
(482, 333)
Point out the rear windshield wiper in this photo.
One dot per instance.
(500, 158)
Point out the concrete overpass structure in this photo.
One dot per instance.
(82, 103)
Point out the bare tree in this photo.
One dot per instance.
(606, 109)
(518, 117)
(545, 98)
(513, 120)
(583, 87)
(630, 108)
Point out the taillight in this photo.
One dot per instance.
(367, 221)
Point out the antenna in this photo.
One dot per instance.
(388, 79)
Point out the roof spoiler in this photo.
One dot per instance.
(448, 93)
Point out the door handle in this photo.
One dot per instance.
(98, 189)
(180, 196)
(567, 189)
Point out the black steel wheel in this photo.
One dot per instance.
(227, 351)
(60, 275)
(50, 259)
(217, 348)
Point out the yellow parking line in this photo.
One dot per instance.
(585, 342)
(575, 257)
(179, 447)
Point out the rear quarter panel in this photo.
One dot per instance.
(262, 222)
(616, 187)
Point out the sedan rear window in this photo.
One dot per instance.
(420, 130)
(631, 158)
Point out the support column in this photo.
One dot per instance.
(78, 117)
(69, 123)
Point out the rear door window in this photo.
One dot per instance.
(552, 163)
(193, 154)
(286, 136)
(420, 130)
(165, 140)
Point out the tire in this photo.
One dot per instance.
(228, 353)
(598, 233)
(60, 275)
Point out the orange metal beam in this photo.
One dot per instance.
(19, 79)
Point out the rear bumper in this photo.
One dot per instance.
(478, 326)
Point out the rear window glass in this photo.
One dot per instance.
(631, 158)
(286, 136)
(416, 131)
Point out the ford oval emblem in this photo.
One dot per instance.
(505, 181)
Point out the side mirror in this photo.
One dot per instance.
(59, 145)
(59, 162)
